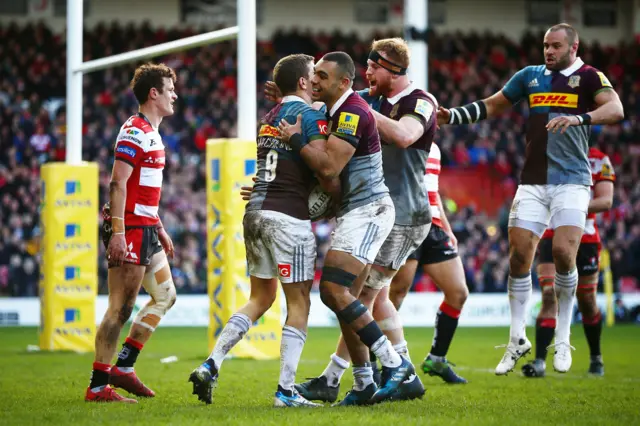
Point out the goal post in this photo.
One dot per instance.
(69, 282)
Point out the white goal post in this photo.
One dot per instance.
(245, 31)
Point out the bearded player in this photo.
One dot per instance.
(588, 263)
(137, 244)
(405, 118)
(565, 96)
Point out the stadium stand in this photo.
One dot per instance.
(463, 67)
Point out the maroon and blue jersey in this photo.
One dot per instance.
(362, 178)
(284, 179)
(555, 158)
(404, 168)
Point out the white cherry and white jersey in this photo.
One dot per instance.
(139, 145)
(431, 182)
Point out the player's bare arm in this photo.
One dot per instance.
(165, 240)
(490, 107)
(445, 222)
(609, 111)
(402, 133)
(120, 174)
(602, 197)
(326, 158)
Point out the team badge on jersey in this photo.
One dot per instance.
(605, 171)
(424, 108)
(574, 81)
(348, 123)
(394, 111)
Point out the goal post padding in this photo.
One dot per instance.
(231, 163)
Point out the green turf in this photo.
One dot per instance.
(48, 388)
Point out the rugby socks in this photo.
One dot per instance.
(402, 349)
(335, 369)
(362, 376)
(231, 334)
(290, 351)
(446, 324)
(99, 376)
(593, 331)
(565, 292)
(128, 355)
(519, 297)
(386, 354)
(545, 329)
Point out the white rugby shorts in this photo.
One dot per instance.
(537, 207)
(279, 245)
(401, 242)
(362, 231)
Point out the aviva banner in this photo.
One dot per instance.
(68, 282)
(231, 163)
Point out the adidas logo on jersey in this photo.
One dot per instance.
(534, 83)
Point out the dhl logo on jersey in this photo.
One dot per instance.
(563, 100)
(267, 130)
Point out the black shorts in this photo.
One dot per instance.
(436, 248)
(587, 260)
(142, 243)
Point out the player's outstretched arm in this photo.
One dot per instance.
(402, 133)
(117, 198)
(325, 157)
(490, 107)
(602, 197)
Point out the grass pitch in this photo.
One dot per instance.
(48, 388)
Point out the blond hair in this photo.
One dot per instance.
(395, 49)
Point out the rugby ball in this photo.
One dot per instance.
(319, 203)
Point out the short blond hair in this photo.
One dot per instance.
(395, 49)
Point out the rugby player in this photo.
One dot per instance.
(588, 263)
(364, 219)
(565, 96)
(137, 244)
(438, 257)
(279, 241)
(406, 122)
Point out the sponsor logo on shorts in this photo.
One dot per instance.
(126, 151)
(284, 270)
(553, 100)
(130, 253)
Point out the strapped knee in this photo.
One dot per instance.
(351, 312)
(394, 322)
(338, 276)
(377, 280)
(159, 284)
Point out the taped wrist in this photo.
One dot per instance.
(585, 119)
(296, 141)
(469, 113)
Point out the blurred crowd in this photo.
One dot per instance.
(463, 67)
